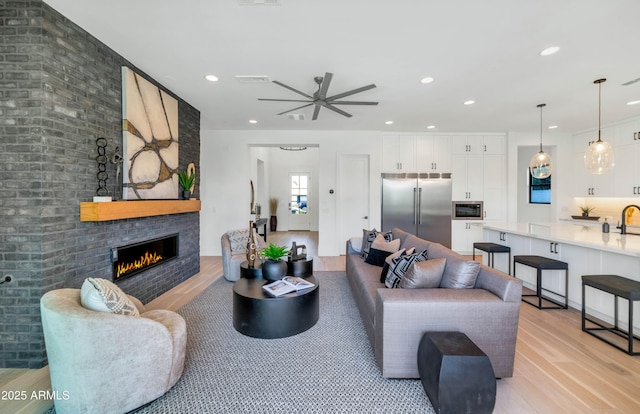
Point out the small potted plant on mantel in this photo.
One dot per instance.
(273, 267)
(186, 181)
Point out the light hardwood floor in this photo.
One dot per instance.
(558, 368)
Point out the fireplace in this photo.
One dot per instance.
(135, 258)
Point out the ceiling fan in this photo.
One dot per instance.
(320, 98)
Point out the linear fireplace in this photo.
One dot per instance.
(135, 258)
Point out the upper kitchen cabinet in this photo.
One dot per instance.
(467, 144)
(399, 153)
(467, 177)
(494, 144)
(627, 157)
(433, 154)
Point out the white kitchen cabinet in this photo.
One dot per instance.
(398, 153)
(467, 177)
(433, 153)
(494, 144)
(494, 178)
(464, 233)
(466, 144)
(586, 184)
(627, 157)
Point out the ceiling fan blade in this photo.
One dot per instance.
(283, 100)
(316, 111)
(299, 107)
(293, 89)
(334, 109)
(352, 92)
(353, 103)
(322, 93)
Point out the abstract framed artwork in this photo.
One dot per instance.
(150, 140)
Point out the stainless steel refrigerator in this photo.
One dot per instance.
(419, 204)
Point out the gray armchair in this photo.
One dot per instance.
(108, 363)
(232, 257)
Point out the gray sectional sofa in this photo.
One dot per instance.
(395, 319)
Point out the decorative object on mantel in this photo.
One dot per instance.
(273, 209)
(102, 193)
(252, 246)
(191, 170)
(150, 139)
(187, 182)
(540, 164)
(273, 267)
(599, 155)
(117, 159)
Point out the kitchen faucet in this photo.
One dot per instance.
(623, 225)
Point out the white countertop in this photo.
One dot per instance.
(585, 234)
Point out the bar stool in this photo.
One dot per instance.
(491, 249)
(541, 263)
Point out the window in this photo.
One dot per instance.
(539, 190)
(299, 192)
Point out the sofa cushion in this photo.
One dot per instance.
(399, 267)
(400, 234)
(460, 275)
(427, 274)
(368, 237)
(238, 240)
(377, 257)
(383, 242)
(356, 244)
(102, 295)
(415, 242)
(387, 263)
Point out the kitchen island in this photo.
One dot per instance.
(582, 245)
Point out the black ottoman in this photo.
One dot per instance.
(456, 375)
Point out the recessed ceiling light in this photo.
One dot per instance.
(431, 127)
(428, 79)
(633, 102)
(470, 102)
(549, 51)
(253, 121)
(553, 126)
(389, 122)
(211, 78)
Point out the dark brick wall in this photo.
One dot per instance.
(60, 89)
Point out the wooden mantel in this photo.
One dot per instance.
(118, 210)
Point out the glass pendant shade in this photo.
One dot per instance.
(540, 164)
(599, 155)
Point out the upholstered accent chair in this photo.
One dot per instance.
(102, 362)
(234, 252)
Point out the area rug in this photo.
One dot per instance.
(329, 368)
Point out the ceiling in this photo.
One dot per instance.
(487, 51)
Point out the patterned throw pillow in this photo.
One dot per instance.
(368, 236)
(399, 267)
(102, 295)
(382, 243)
(238, 240)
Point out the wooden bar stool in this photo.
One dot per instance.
(541, 263)
(491, 249)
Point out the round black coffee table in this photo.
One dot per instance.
(262, 316)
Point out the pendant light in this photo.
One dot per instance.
(540, 165)
(599, 155)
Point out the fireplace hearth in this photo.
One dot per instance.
(135, 258)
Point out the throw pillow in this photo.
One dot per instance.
(400, 265)
(368, 236)
(102, 295)
(356, 244)
(376, 257)
(387, 263)
(381, 243)
(460, 274)
(427, 274)
(238, 240)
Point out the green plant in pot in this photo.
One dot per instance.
(586, 210)
(186, 181)
(273, 267)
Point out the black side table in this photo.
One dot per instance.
(254, 272)
(300, 268)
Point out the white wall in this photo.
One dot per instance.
(226, 168)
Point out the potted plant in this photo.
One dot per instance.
(273, 208)
(586, 210)
(273, 267)
(186, 181)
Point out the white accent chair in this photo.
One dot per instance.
(102, 362)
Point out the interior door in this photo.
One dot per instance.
(299, 194)
(353, 197)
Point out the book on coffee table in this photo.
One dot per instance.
(286, 285)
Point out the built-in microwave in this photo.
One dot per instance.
(467, 210)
